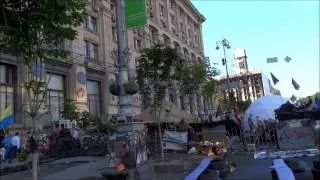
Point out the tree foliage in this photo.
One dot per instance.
(305, 100)
(193, 77)
(210, 87)
(158, 67)
(243, 105)
(69, 110)
(33, 31)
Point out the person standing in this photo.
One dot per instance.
(251, 123)
(15, 142)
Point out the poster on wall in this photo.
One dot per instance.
(295, 134)
(81, 89)
(174, 140)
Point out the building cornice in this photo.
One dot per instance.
(189, 4)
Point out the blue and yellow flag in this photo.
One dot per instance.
(6, 118)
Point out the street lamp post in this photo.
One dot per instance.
(225, 44)
(125, 109)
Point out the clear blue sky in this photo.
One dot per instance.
(267, 29)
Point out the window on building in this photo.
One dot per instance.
(182, 103)
(172, 4)
(94, 103)
(89, 22)
(114, 34)
(91, 51)
(93, 24)
(161, 10)
(85, 21)
(6, 87)
(181, 12)
(55, 95)
(172, 19)
(138, 45)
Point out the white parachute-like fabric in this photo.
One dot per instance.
(264, 108)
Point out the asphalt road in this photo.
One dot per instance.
(250, 169)
(45, 170)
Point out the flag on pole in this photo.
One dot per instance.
(274, 79)
(287, 59)
(6, 118)
(295, 84)
(272, 60)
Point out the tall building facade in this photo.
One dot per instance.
(86, 74)
(249, 85)
(246, 84)
(178, 24)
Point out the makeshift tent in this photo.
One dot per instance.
(264, 108)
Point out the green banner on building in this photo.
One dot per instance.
(135, 13)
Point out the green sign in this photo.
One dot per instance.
(135, 13)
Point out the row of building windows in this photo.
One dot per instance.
(56, 93)
(90, 23)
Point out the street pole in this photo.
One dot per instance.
(228, 79)
(225, 43)
(125, 109)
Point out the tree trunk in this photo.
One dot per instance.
(161, 141)
(35, 155)
(35, 158)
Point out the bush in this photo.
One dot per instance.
(23, 155)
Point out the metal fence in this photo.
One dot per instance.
(263, 136)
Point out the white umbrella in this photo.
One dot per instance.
(264, 108)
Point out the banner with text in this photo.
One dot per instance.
(135, 13)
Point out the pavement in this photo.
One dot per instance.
(73, 168)
(14, 163)
(175, 166)
(250, 169)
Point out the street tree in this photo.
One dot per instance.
(32, 31)
(193, 77)
(158, 68)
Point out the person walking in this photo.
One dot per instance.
(15, 146)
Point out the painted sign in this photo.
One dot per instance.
(81, 89)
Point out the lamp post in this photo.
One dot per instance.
(125, 109)
(225, 44)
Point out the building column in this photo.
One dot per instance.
(78, 77)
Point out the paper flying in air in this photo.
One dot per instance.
(287, 59)
(272, 60)
(295, 84)
(274, 79)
